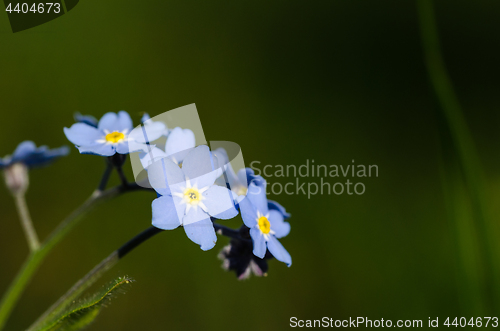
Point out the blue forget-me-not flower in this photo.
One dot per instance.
(238, 257)
(188, 196)
(112, 135)
(179, 143)
(266, 224)
(26, 156)
(239, 181)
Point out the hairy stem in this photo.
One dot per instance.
(76, 290)
(27, 271)
(89, 279)
(24, 215)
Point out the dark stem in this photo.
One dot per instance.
(136, 187)
(137, 240)
(106, 264)
(105, 176)
(117, 161)
(31, 265)
(92, 276)
(228, 232)
(123, 178)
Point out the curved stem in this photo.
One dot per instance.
(77, 289)
(89, 279)
(34, 260)
(464, 145)
(24, 215)
(94, 274)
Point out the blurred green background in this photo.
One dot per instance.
(329, 81)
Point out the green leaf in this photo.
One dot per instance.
(82, 313)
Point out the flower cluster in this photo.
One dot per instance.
(112, 134)
(195, 187)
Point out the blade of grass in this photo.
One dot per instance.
(466, 153)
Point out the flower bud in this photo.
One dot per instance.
(16, 178)
(238, 257)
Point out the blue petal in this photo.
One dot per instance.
(219, 202)
(153, 154)
(134, 146)
(113, 122)
(235, 181)
(273, 205)
(102, 149)
(23, 150)
(28, 154)
(86, 119)
(131, 146)
(124, 121)
(179, 143)
(248, 212)
(83, 135)
(219, 158)
(279, 252)
(155, 130)
(164, 173)
(259, 243)
(220, 181)
(201, 232)
(194, 215)
(199, 168)
(232, 178)
(122, 148)
(242, 177)
(222, 156)
(148, 132)
(44, 155)
(167, 212)
(218, 165)
(278, 225)
(250, 175)
(145, 117)
(257, 195)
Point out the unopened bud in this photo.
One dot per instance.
(16, 178)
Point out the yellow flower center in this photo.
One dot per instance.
(264, 225)
(192, 196)
(242, 190)
(115, 137)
